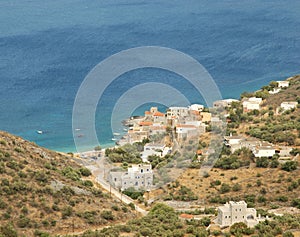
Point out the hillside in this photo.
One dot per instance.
(270, 123)
(44, 191)
(265, 186)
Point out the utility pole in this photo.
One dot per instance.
(109, 189)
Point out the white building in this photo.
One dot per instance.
(234, 212)
(177, 112)
(275, 91)
(232, 140)
(151, 149)
(157, 129)
(282, 84)
(252, 103)
(138, 176)
(224, 103)
(196, 107)
(189, 130)
(264, 151)
(288, 105)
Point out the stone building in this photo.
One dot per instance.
(138, 176)
(234, 212)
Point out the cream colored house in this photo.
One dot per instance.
(205, 117)
(252, 103)
(196, 107)
(233, 140)
(234, 212)
(138, 176)
(282, 84)
(288, 105)
(177, 112)
(264, 151)
(224, 103)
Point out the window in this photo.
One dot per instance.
(142, 170)
(136, 183)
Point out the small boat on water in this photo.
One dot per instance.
(116, 134)
(39, 132)
(113, 139)
(77, 129)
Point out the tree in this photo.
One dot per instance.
(238, 228)
(288, 234)
(97, 148)
(225, 188)
(262, 162)
(289, 166)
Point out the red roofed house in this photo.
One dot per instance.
(145, 123)
(186, 216)
(159, 117)
(186, 131)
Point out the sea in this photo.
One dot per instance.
(48, 47)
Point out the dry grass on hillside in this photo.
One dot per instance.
(274, 183)
(46, 191)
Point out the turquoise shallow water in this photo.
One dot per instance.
(47, 48)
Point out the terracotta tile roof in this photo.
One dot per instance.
(186, 216)
(145, 123)
(195, 112)
(158, 127)
(158, 114)
(185, 126)
(147, 112)
(199, 152)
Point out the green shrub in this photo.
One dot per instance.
(107, 215)
(88, 183)
(289, 166)
(288, 234)
(8, 231)
(66, 212)
(85, 171)
(225, 188)
(236, 187)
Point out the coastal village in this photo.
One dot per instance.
(151, 182)
(162, 132)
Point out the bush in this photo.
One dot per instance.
(66, 212)
(107, 215)
(23, 222)
(236, 187)
(288, 234)
(296, 203)
(8, 231)
(225, 188)
(289, 166)
(134, 194)
(238, 228)
(262, 162)
(85, 171)
(88, 183)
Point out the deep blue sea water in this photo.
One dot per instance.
(48, 47)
